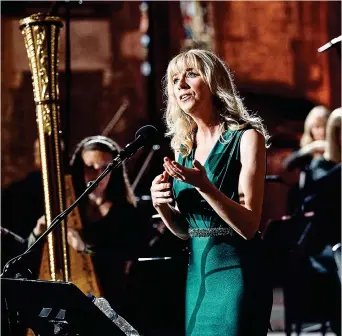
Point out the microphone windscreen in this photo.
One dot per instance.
(149, 133)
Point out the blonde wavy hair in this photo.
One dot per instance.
(215, 72)
(318, 112)
(333, 137)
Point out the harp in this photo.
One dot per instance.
(59, 261)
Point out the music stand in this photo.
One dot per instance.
(52, 308)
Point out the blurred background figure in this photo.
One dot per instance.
(312, 145)
(323, 204)
(322, 165)
(113, 231)
(323, 191)
(308, 270)
(21, 207)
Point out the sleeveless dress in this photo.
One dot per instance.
(227, 289)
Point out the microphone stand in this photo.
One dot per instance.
(116, 162)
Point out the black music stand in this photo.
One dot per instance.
(52, 308)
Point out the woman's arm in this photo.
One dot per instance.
(37, 231)
(303, 156)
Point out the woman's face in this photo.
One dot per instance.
(191, 91)
(95, 162)
(318, 129)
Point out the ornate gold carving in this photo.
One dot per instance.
(41, 34)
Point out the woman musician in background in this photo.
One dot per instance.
(111, 228)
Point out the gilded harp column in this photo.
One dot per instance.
(41, 35)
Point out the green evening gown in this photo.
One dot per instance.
(227, 290)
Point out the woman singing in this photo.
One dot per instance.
(220, 153)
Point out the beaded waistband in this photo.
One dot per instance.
(211, 232)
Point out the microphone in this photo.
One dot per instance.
(119, 321)
(146, 135)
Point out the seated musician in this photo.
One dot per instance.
(111, 225)
(323, 190)
(112, 229)
(21, 205)
(312, 146)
